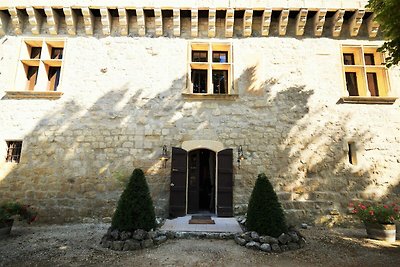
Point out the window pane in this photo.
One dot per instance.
(54, 78)
(31, 77)
(369, 59)
(35, 52)
(372, 83)
(351, 83)
(199, 56)
(13, 151)
(56, 53)
(220, 81)
(199, 80)
(348, 59)
(221, 57)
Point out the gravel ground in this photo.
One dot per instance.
(78, 245)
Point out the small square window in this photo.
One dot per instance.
(36, 52)
(13, 151)
(369, 59)
(220, 57)
(56, 53)
(348, 59)
(199, 56)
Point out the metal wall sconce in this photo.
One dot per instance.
(164, 156)
(240, 156)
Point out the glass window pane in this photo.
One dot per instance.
(369, 59)
(56, 53)
(348, 59)
(199, 56)
(35, 52)
(351, 83)
(220, 57)
(372, 84)
(199, 80)
(220, 81)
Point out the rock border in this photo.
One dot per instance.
(140, 239)
(286, 241)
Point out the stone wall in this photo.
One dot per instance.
(123, 100)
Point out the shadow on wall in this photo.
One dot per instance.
(75, 158)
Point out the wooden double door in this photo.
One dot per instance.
(201, 182)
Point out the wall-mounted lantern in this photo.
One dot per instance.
(164, 156)
(240, 156)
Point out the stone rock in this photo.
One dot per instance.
(106, 244)
(240, 241)
(118, 245)
(109, 230)
(115, 234)
(266, 247)
(268, 239)
(273, 240)
(284, 247)
(160, 239)
(293, 236)
(152, 234)
(246, 236)
(302, 242)
(304, 226)
(125, 235)
(275, 248)
(131, 245)
(139, 234)
(254, 236)
(146, 243)
(253, 245)
(284, 238)
(225, 235)
(293, 245)
(170, 235)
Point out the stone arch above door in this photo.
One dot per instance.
(202, 144)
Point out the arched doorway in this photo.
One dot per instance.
(201, 181)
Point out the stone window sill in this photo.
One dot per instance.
(33, 95)
(210, 96)
(367, 100)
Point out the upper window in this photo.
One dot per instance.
(364, 71)
(13, 151)
(211, 68)
(40, 65)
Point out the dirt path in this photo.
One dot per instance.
(78, 245)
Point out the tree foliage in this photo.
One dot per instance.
(388, 16)
(135, 208)
(265, 214)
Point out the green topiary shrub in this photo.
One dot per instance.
(135, 208)
(265, 214)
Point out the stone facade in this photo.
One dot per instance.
(123, 100)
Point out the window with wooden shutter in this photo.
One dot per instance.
(13, 151)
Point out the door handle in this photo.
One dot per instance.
(172, 184)
(175, 170)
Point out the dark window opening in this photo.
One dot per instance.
(220, 81)
(199, 80)
(57, 53)
(348, 59)
(31, 77)
(13, 151)
(54, 78)
(352, 154)
(36, 52)
(351, 83)
(221, 57)
(199, 56)
(372, 83)
(369, 59)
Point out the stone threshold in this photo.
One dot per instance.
(33, 95)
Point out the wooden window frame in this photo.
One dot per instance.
(46, 61)
(210, 66)
(361, 68)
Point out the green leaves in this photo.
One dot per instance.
(388, 16)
